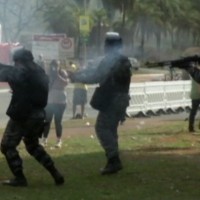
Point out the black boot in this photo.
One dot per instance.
(191, 129)
(113, 166)
(191, 124)
(58, 178)
(16, 182)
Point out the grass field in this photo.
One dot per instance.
(161, 162)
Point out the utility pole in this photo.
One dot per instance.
(84, 42)
(84, 28)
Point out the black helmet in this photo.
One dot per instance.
(113, 40)
(22, 55)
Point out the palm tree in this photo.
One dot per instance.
(61, 17)
(123, 6)
(170, 10)
(155, 18)
(99, 25)
(194, 21)
(146, 21)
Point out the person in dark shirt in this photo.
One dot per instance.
(29, 85)
(195, 102)
(111, 98)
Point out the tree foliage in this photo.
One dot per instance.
(177, 20)
(17, 16)
(139, 22)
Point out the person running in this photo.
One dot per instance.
(29, 85)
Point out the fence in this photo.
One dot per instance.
(155, 97)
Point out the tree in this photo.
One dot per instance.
(99, 25)
(149, 20)
(17, 16)
(124, 6)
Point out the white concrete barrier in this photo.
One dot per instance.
(146, 97)
(159, 96)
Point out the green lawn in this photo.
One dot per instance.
(161, 162)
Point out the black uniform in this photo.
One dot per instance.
(29, 85)
(111, 98)
(194, 72)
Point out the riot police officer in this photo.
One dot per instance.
(29, 85)
(111, 98)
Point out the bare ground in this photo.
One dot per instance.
(133, 124)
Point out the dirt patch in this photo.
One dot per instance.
(134, 124)
(129, 124)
